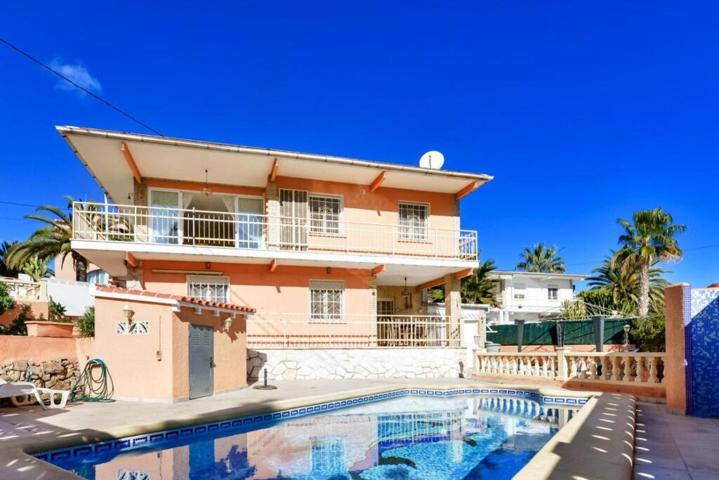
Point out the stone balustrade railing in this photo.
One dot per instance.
(635, 368)
(22, 290)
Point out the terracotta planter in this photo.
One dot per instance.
(49, 329)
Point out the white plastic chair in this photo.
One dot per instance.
(23, 393)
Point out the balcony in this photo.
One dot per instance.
(294, 330)
(202, 228)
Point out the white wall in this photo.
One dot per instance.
(75, 296)
(535, 293)
(304, 364)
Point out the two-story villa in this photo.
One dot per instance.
(530, 296)
(333, 253)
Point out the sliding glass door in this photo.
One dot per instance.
(250, 225)
(164, 216)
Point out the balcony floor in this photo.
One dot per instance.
(110, 256)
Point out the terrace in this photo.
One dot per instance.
(253, 232)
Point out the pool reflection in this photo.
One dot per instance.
(411, 437)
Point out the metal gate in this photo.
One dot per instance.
(201, 361)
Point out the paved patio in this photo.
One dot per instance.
(675, 447)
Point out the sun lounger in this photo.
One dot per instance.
(22, 393)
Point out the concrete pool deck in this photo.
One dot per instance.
(33, 429)
(675, 447)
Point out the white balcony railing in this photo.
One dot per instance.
(279, 331)
(176, 226)
(634, 368)
(25, 290)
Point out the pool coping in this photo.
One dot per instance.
(23, 449)
(597, 443)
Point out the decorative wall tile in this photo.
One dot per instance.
(702, 353)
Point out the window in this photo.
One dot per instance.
(326, 300)
(552, 293)
(325, 214)
(519, 291)
(215, 289)
(413, 222)
(98, 277)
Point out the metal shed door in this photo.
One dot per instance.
(201, 361)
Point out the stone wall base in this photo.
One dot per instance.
(301, 364)
(58, 374)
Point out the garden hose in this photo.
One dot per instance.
(93, 387)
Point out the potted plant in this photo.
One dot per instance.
(56, 325)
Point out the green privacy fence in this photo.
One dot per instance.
(579, 332)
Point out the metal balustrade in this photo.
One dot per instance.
(177, 226)
(353, 331)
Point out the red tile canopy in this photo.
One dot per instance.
(179, 298)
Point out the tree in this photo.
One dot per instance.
(51, 240)
(478, 287)
(615, 285)
(541, 258)
(36, 268)
(650, 238)
(5, 270)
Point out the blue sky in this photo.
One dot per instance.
(583, 111)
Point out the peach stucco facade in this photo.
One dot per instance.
(155, 366)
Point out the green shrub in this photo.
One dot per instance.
(7, 303)
(18, 327)
(86, 323)
(56, 311)
(648, 333)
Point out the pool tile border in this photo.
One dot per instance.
(149, 439)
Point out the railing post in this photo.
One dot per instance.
(562, 373)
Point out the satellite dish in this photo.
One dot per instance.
(432, 159)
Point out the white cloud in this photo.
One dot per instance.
(78, 74)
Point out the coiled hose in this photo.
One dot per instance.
(94, 383)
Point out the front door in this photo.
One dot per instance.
(201, 361)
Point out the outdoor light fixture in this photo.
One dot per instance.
(228, 323)
(627, 327)
(405, 290)
(128, 313)
(206, 189)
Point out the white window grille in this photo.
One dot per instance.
(519, 292)
(552, 293)
(413, 222)
(214, 289)
(326, 301)
(325, 213)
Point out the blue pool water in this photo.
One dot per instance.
(461, 437)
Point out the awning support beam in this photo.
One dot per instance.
(131, 162)
(469, 188)
(274, 170)
(377, 182)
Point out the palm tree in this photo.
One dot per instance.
(478, 287)
(37, 269)
(617, 283)
(5, 270)
(541, 258)
(51, 240)
(649, 239)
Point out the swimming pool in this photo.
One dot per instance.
(399, 437)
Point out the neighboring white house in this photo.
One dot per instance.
(530, 296)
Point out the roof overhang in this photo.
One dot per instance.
(506, 275)
(116, 159)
